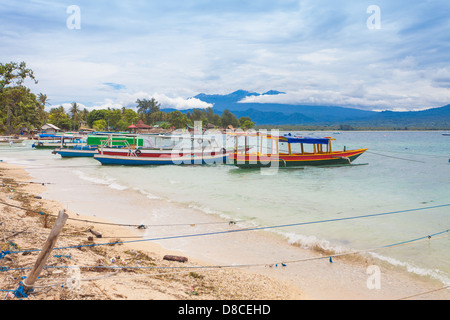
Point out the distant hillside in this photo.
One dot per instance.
(435, 118)
(289, 114)
(274, 113)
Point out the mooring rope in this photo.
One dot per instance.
(244, 230)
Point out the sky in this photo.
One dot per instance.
(373, 55)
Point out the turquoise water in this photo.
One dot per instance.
(400, 171)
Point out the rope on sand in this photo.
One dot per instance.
(19, 293)
(239, 230)
(139, 226)
(424, 293)
(142, 226)
(283, 263)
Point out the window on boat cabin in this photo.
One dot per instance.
(307, 148)
(296, 148)
(265, 145)
(148, 143)
(284, 147)
(301, 148)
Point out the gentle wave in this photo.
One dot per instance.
(147, 194)
(325, 247)
(433, 274)
(109, 182)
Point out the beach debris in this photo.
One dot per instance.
(62, 256)
(95, 233)
(118, 259)
(175, 258)
(37, 197)
(115, 242)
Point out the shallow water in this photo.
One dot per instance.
(401, 171)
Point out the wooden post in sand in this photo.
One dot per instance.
(46, 250)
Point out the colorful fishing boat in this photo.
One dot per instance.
(53, 141)
(288, 151)
(165, 150)
(12, 141)
(93, 142)
(76, 151)
(175, 159)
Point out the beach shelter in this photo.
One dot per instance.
(132, 128)
(142, 127)
(50, 128)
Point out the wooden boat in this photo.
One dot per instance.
(165, 150)
(289, 151)
(132, 160)
(93, 142)
(53, 141)
(76, 151)
(11, 140)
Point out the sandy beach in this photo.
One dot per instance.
(116, 266)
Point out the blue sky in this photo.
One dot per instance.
(316, 51)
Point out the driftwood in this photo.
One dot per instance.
(28, 284)
(175, 258)
(95, 233)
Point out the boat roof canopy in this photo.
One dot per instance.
(289, 138)
(47, 135)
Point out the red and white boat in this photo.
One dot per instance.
(164, 149)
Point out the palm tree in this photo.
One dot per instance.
(147, 107)
(43, 101)
(75, 113)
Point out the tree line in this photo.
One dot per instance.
(21, 110)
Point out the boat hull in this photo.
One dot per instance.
(50, 145)
(299, 160)
(76, 153)
(142, 161)
(159, 153)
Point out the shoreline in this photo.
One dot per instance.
(318, 279)
(153, 279)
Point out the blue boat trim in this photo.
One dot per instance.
(134, 161)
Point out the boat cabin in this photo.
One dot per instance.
(288, 144)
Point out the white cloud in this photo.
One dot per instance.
(325, 56)
(397, 95)
(128, 100)
(317, 52)
(180, 103)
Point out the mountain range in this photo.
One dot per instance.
(291, 114)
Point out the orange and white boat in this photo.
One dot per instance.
(287, 151)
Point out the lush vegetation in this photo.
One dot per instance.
(22, 110)
(149, 111)
(18, 106)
